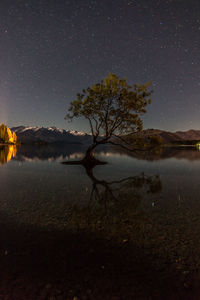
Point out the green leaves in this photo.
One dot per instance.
(111, 106)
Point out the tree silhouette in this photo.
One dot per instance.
(112, 108)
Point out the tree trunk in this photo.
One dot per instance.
(90, 152)
(89, 161)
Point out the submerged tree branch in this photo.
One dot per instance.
(126, 148)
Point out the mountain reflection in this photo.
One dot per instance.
(188, 153)
(62, 152)
(7, 153)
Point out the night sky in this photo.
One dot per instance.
(52, 49)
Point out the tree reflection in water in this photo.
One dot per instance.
(129, 187)
(111, 204)
(7, 153)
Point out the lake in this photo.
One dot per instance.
(128, 229)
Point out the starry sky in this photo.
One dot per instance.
(51, 49)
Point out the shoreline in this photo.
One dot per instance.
(180, 146)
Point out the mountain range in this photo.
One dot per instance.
(50, 135)
(56, 135)
(172, 137)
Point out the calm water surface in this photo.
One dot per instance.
(125, 230)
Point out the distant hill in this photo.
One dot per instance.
(50, 135)
(189, 135)
(56, 135)
(172, 137)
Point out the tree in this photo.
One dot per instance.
(4, 137)
(156, 140)
(7, 136)
(15, 139)
(112, 108)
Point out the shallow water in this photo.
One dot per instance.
(125, 230)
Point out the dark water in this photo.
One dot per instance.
(125, 230)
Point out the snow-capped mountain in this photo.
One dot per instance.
(56, 135)
(50, 135)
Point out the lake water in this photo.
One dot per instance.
(125, 230)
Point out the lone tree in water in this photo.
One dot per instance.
(112, 108)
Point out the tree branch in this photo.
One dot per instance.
(106, 115)
(126, 148)
(96, 123)
(91, 126)
(130, 178)
(122, 139)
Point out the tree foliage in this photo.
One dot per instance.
(142, 141)
(112, 107)
(156, 140)
(4, 137)
(7, 136)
